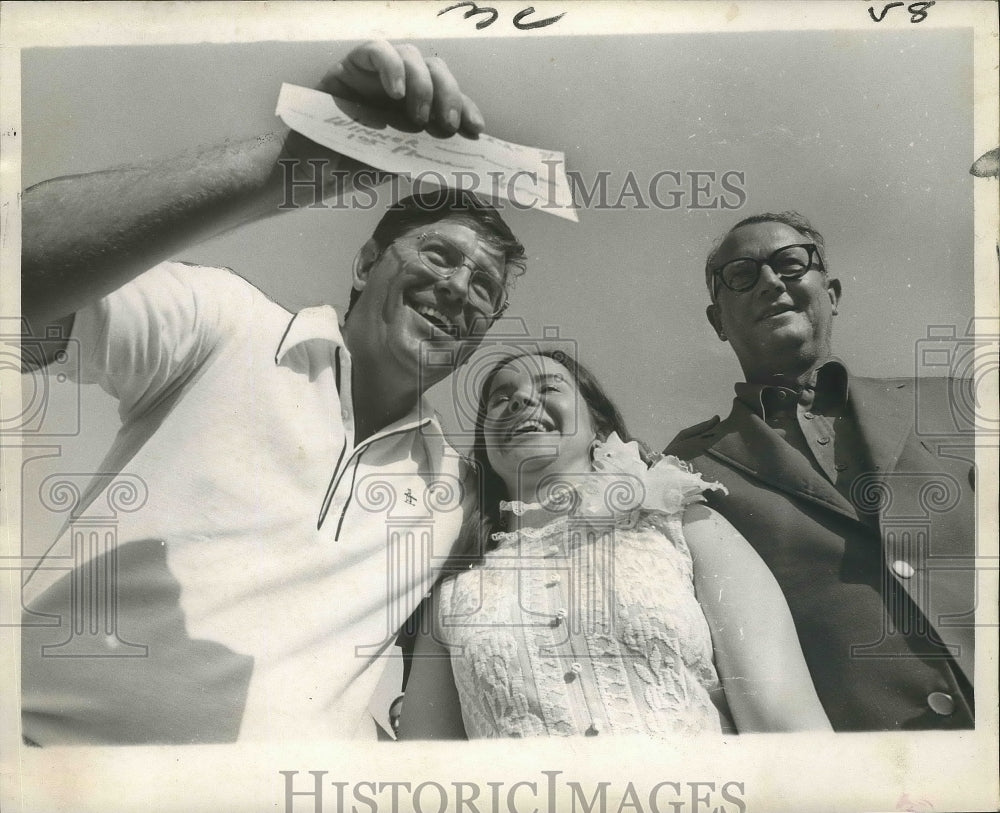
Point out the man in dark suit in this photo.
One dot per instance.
(857, 493)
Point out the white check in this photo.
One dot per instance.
(526, 176)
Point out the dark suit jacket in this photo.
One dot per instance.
(881, 586)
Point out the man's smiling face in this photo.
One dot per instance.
(780, 327)
(405, 305)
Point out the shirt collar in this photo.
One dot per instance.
(321, 324)
(311, 324)
(422, 417)
(422, 423)
(827, 388)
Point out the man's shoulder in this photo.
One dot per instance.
(693, 440)
(220, 282)
(883, 382)
(200, 293)
(942, 391)
(937, 405)
(942, 383)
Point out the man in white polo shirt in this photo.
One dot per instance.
(289, 496)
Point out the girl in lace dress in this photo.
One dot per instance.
(599, 595)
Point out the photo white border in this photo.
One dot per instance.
(948, 771)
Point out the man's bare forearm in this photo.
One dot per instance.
(85, 235)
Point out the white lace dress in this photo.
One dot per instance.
(587, 625)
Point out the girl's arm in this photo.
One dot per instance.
(757, 652)
(431, 708)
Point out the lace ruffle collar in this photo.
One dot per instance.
(621, 483)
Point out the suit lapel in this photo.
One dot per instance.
(884, 411)
(885, 417)
(744, 441)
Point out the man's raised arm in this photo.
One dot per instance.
(85, 235)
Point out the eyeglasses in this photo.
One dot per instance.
(788, 262)
(439, 255)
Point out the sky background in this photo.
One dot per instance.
(868, 134)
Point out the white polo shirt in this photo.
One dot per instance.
(241, 565)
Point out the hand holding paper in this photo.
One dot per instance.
(525, 176)
(381, 74)
(388, 107)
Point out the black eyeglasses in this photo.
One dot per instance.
(439, 255)
(788, 262)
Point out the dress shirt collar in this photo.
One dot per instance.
(826, 390)
(321, 324)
